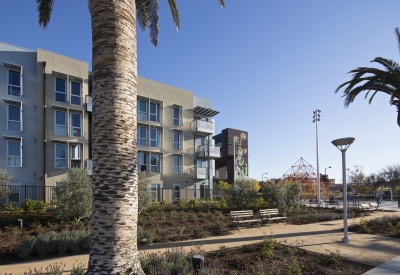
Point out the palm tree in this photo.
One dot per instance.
(113, 248)
(366, 79)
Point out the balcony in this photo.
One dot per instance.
(202, 151)
(221, 174)
(202, 127)
(201, 172)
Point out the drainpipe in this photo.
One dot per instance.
(44, 130)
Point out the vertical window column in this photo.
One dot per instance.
(14, 153)
(76, 124)
(76, 93)
(60, 91)
(14, 83)
(142, 162)
(60, 123)
(142, 136)
(60, 155)
(14, 118)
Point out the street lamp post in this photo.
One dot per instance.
(327, 168)
(316, 118)
(342, 144)
(234, 160)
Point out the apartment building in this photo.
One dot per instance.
(46, 107)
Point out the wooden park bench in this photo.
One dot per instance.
(244, 216)
(272, 215)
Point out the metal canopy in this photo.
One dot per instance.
(205, 111)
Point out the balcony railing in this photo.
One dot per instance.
(202, 127)
(202, 151)
(201, 172)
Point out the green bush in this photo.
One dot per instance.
(27, 247)
(29, 205)
(282, 195)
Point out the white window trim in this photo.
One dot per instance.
(20, 152)
(180, 122)
(158, 137)
(55, 91)
(80, 92)
(73, 127)
(20, 81)
(20, 117)
(66, 122)
(147, 106)
(157, 112)
(80, 154)
(180, 164)
(66, 155)
(160, 164)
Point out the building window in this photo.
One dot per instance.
(177, 141)
(177, 165)
(14, 118)
(155, 135)
(177, 192)
(60, 127)
(60, 155)
(154, 112)
(142, 110)
(60, 94)
(177, 117)
(142, 134)
(14, 83)
(76, 97)
(14, 153)
(76, 159)
(155, 188)
(142, 162)
(76, 125)
(155, 163)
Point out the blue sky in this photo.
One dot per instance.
(266, 65)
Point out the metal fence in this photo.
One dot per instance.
(19, 194)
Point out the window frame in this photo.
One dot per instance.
(156, 189)
(65, 89)
(59, 125)
(9, 120)
(139, 139)
(20, 152)
(180, 164)
(158, 166)
(57, 158)
(141, 112)
(179, 119)
(157, 113)
(179, 143)
(176, 192)
(74, 127)
(72, 95)
(157, 139)
(79, 153)
(139, 159)
(12, 85)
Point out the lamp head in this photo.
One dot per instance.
(343, 143)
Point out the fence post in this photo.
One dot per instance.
(25, 193)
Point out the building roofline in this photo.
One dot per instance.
(64, 56)
(165, 84)
(22, 48)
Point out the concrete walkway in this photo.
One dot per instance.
(322, 237)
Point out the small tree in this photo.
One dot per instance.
(4, 188)
(74, 196)
(221, 185)
(146, 196)
(282, 195)
(243, 193)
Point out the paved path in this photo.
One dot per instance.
(321, 237)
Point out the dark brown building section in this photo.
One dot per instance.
(230, 139)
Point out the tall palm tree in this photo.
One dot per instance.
(366, 79)
(113, 248)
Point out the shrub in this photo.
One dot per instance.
(4, 188)
(27, 247)
(145, 195)
(282, 195)
(74, 196)
(242, 193)
(29, 205)
(41, 206)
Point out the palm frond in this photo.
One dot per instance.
(175, 13)
(142, 13)
(89, 6)
(44, 7)
(397, 33)
(221, 3)
(153, 21)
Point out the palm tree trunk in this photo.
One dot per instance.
(113, 249)
(398, 113)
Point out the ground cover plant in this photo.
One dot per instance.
(160, 223)
(386, 226)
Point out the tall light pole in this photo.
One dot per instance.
(234, 161)
(316, 118)
(327, 168)
(342, 144)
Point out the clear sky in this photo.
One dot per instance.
(266, 65)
